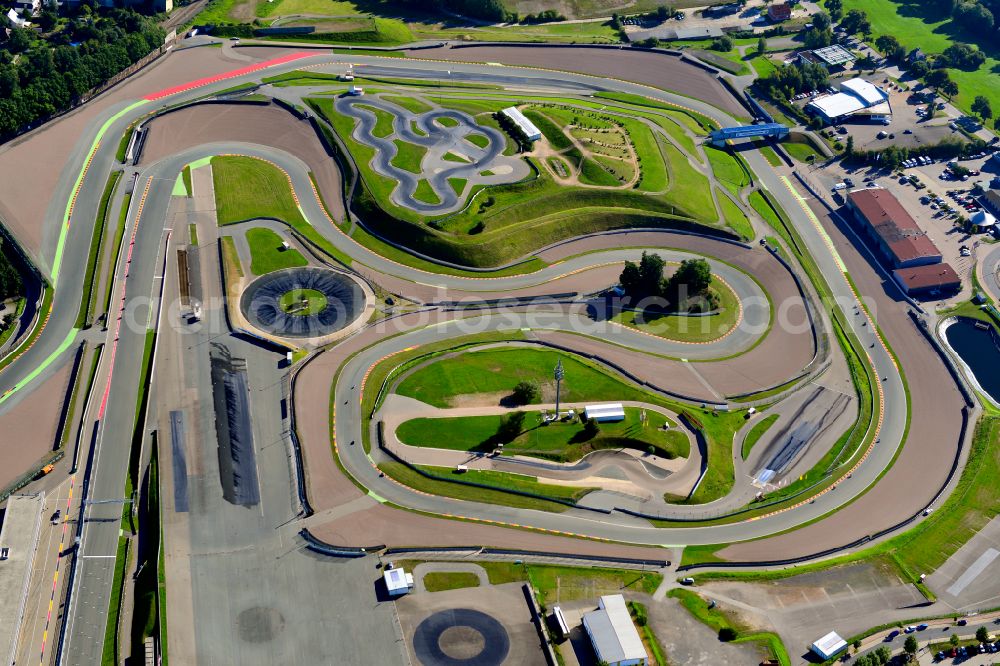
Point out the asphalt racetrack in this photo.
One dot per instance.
(58, 237)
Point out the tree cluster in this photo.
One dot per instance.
(645, 280)
(821, 32)
(546, 16)
(51, 75)
(11, 284)
(856, 21)
(786, 81)
(877, 657)
(723, 44)
(961, 56)
(890, 47)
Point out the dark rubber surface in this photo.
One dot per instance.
(344, 297)
(426, 639)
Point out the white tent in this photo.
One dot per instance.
(829, 645)
(602, 413)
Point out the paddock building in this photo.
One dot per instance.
(857, 99)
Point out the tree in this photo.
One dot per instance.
(856, 21)
(919, 68)
(910, 645)
(974, 17)
(761, 46)
(857, 644)
(644, 279)
(591, 429)
(890, 47)
(981, 107)
(836, 9)
(692, 278)
(982, 635)
(817, 39)
(19, 40)
(723, 43)
(821, 21)
(849, 150)
(524, 393)
(954, 640)
(949, 88)
(962, 56)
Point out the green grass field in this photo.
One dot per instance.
(561, 441)
(756, 433)
(410, 103)
(267, 255)
(495, 372)
(684, 328)
(302, 302)
(383, 121)
(735, 217)
(408, 156)
(921, 25)
(439, 581)
(247, 188)
(426, 193)
(511, 220)
(728, 169)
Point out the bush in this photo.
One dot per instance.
(727, 634)
(524, 393)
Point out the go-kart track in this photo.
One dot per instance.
(440, 140)
(253, 552)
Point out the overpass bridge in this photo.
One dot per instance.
(769, 130)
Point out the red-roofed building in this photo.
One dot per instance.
(921, 280)
(900, 239)
(779, 11)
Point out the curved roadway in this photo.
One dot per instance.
(70, 260)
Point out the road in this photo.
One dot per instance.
(118, 379)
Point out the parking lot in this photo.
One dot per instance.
(935, 203)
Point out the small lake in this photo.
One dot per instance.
(980, 350)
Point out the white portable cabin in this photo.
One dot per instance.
(397, 582)
(605, 413)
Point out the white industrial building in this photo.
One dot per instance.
(858, 98)
(828, 646)
(605, 413)
(613, 635)
(397, 582)
(16, 20)
(531, 132)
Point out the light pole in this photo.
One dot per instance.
(559, 374)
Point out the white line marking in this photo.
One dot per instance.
(972, 572)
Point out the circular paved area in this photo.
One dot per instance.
(461, 637)
(261, 302)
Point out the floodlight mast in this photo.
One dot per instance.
(559, 374)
